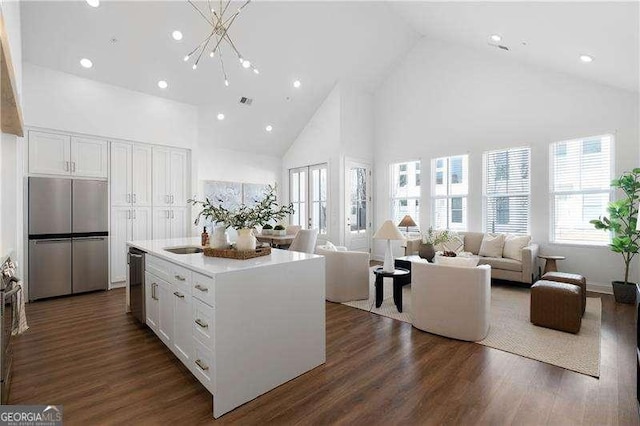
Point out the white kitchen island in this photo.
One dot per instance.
(242, 327)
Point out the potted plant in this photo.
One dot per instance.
(279, 231)
(430, 239)
(245, 218)
(622, 223)
(267, 229)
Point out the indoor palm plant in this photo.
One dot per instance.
(622, 223)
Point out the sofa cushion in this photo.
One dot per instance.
(513, 245)
(501, 263)
(329, 246)
(472, 241)
(455, 243)
(492, 245)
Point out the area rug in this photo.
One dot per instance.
(511, 330)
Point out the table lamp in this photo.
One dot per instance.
(388, 231)
(406, 222)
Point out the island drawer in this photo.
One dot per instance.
(202, 323)
(170, 272)
(203, 287)
(202, 365)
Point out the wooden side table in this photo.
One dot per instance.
(550, 263)
(398, 282)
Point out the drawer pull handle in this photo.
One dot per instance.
(180, 278)
(180, 295)
(202, 323)
(202, 365)
(201, 288)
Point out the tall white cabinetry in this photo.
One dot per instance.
(131, 209)
(170, 183)
(65, 155)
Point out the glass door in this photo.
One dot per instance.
(358, 200)
(308, 191)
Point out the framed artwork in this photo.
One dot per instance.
(252, 193)
(228, 194)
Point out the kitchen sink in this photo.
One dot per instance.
(184, 250)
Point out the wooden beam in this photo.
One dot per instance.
(10, 111)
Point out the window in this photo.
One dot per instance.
(507, 190)
(449, 192)
(308, 193)
(405, 192)
(580, 174)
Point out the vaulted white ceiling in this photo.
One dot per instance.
(546, 34)
(319, 43)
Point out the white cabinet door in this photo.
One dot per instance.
(179, 222)
(178, 180)
(182, 332)
(141, 224)
(164, 292)
(89, 157)
(49, 153)
(152, 305)
(142, 175)
(161, 176)
(120, 234)
(161, 223)
(120, 174)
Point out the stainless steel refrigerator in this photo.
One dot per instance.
(68, 236)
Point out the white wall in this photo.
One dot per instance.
(341, 129)
(445, 99)
(10, 156)
(62, 101)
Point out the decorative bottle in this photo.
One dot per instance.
(204, 238)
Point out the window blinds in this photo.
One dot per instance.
(507, 190)
(580, 175)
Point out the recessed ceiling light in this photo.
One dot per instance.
(186, 58)
(163, 84)
(221, 116)
(586, 58)
(93, 3)
(211, 54)
(269, 128)
(255, 70)
(226, 83)
(496, 37)
(297, 84)
(177, 35)
(246, 64)
(194, 66)
(86, 63)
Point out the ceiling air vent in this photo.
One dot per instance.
(246, 101)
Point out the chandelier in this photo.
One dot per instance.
(220, 18)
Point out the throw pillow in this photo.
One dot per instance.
(330, 246)
(455, 244)
(492, 245)
(513, 245)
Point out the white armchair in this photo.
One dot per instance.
(451, 301)
(347, 274)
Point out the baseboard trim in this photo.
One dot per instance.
(600, 288)
(117, 284)
(377, 257)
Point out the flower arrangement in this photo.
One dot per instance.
(434, 238)
(244, 216)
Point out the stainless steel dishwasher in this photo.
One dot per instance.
(135, 259)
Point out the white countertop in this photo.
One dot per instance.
(214, 265)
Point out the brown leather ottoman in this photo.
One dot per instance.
(556, 305)
(576, 279)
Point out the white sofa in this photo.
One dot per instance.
(346, 274)
(502, 268)
(451, 301)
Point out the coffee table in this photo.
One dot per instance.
(397, 275)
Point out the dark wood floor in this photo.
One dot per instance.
(85, 353)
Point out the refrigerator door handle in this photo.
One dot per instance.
(73, 166)
(62, 240)
(172, 214)
(134, 213)
(128, 198)
(166, 197)
(134, 198)
(128, 214)
(66, 166)
(90, 238)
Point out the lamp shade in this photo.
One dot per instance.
(388, 231)
(407, 221)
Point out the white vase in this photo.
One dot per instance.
(246, 240)
(220, 238)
